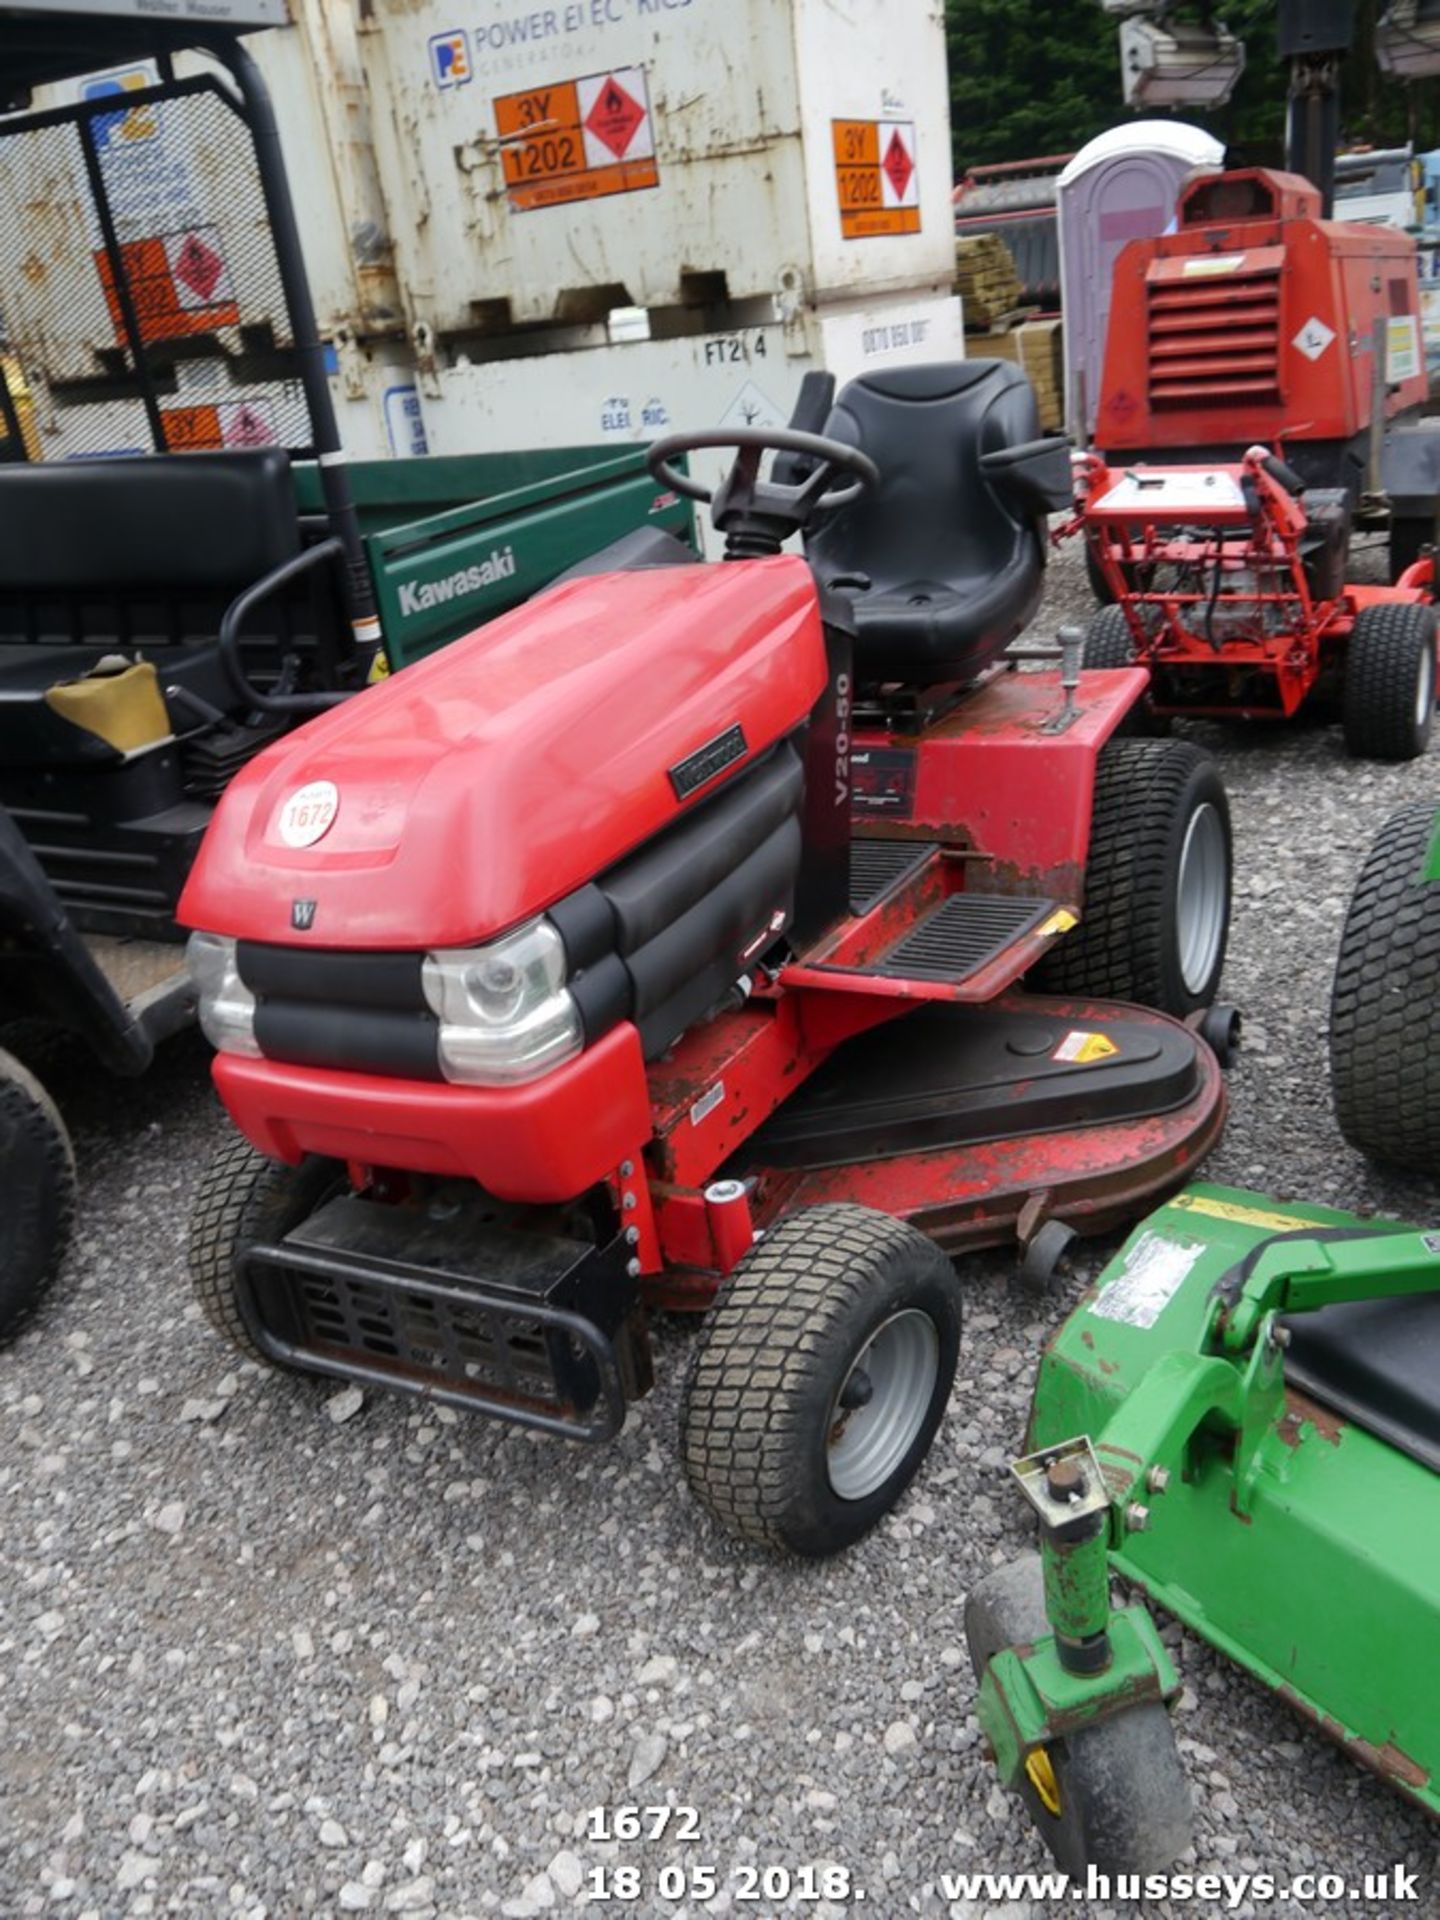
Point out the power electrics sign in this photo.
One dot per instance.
(876, 181)
(577, 139)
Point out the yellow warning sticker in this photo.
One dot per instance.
(1085, 1047)
(1243, 1216)
(379, 668)
(1061, 921)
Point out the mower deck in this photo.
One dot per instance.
(1297, 1533)
(965, 1122)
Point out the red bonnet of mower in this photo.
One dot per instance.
(484, 783)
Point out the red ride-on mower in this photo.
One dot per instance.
(572, 971)
(1229, 585)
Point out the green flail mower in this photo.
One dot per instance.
(1242, 1421)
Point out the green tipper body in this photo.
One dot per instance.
(452, 541)
(1326, 1583)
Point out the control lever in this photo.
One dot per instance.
(1072, 658)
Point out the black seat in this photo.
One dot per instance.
(1377, 1363)
(120, 720)
(952, 541)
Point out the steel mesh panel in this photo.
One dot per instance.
(137, 264)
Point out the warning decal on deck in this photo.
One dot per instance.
(876, 180)
(577, 139)
(1082, 1048)
(1154, 1268)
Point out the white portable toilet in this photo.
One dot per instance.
(1122, 186)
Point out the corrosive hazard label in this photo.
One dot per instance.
(876, 180)
(577, 139)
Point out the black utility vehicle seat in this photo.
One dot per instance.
(952, 541)
(142, 556)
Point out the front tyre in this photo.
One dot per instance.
(1157, 882)
(37, 1194)
(1112, 1795)
(247, 1200)
(1389, 698)
(819, 1379)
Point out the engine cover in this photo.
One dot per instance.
(482, 784)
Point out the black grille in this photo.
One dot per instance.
(451, 1303)
(878, 865)
(475, 1348)
(957, 939)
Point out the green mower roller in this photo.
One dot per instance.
(1243, 1421)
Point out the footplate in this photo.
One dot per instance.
(528, 1327)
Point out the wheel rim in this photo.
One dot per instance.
(901, 1363)
(1040, 1772)
(1425, 687)
(1201, 891)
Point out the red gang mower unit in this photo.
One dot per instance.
(1229, 585)
(663, 944)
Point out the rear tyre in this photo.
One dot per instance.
(819, 1379)
(1109, 643)
(1157, 882)
(245, 1200)
(1112, 1795)
(1385, 1004)
(1389, 699)
(1099, 585)
(37, 1194)
(1108, 640)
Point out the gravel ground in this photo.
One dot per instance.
(262, 1652)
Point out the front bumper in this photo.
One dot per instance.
(451, 1303)
(536, 1144)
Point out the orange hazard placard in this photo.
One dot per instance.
(226, 423)
(179, 284)
(876, 180)
(577, 139)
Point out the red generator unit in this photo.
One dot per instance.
(1256, 320)
(662, 945)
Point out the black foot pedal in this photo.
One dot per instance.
(961, 935)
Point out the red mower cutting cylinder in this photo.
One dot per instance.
(1229, 585)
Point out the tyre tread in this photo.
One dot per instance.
(761, 1350)
(1385, 1001)
(1380, 668)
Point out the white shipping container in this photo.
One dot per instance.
(543, 162)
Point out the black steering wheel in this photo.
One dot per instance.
(757, 516)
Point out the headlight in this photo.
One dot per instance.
(505, 1014)
(227, 1006)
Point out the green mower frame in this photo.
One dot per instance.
(1166, 1444)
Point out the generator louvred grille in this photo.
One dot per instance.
(1215, 338)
